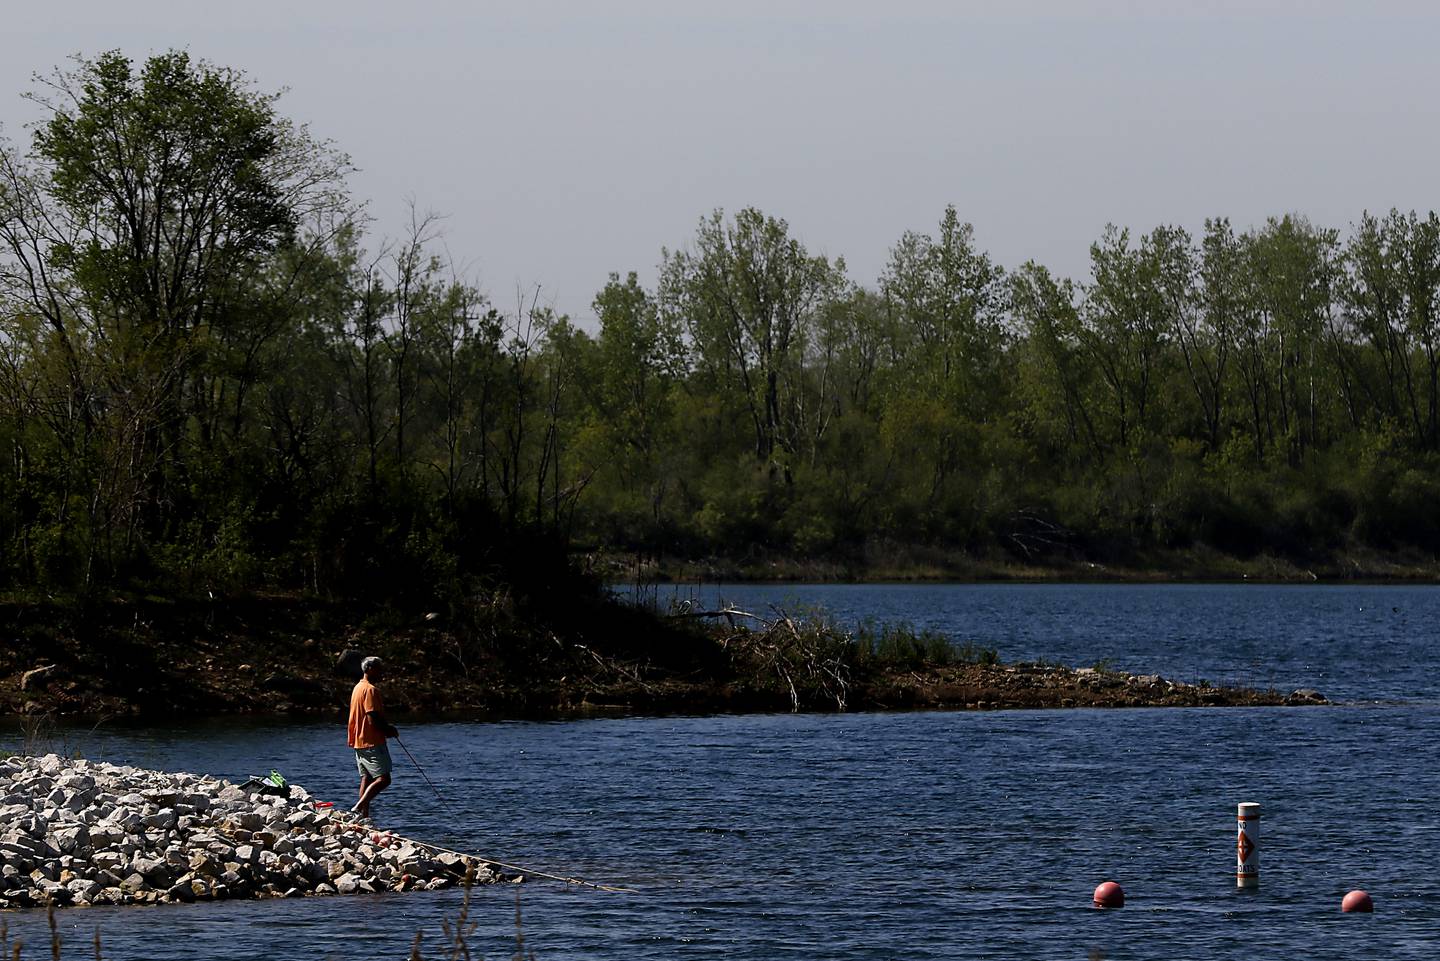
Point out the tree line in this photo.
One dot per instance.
(211, 376)
(1272, 390)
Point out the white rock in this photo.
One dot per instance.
(108, 860)
(85, 889)
(163, 819)
(151, 869)
(72, 839)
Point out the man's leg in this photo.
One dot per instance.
(373, 788)
(365, 781)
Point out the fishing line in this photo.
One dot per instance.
(511, 867)
(476, 857)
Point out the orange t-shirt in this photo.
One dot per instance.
(363, 730)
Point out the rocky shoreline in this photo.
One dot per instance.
(76, 832)
(1046, 686)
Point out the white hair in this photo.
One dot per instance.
(370, 663)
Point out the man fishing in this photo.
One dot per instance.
(367, 734)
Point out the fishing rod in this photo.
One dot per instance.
(448, 809)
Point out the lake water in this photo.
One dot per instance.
(918, 835)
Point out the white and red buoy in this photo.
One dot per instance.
(1247, 845)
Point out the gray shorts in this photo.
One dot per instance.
(373, 761)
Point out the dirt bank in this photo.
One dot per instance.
(280, 655)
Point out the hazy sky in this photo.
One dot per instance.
(565, 140)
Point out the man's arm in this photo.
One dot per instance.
(377, 717)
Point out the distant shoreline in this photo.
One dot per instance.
(916, 566)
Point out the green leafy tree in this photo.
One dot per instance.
(748, 293)
(1129, 312)
(1292, 276)
(640, 362)
(1049, 316)
(1392, 298)
(138, 230)
(950, 299)
(1205, 333)
(459, 336)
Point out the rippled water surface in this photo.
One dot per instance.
(922, 835)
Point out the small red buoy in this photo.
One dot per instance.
(1357, 901)
(1109, 895)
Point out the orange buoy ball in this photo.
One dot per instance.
(1357, 901)
(1109, 895)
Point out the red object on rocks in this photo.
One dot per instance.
(1357, 900)
(1109, 895)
